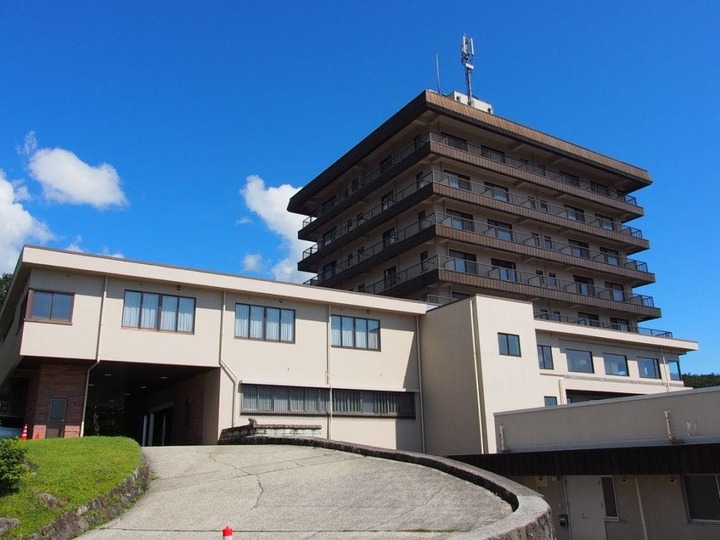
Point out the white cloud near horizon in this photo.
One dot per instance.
(17, 225)
(65, 178)
(270, 204)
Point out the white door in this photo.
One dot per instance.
(586, 512)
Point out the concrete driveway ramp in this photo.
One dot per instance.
(298, 492)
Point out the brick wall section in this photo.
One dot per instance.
(61, 381)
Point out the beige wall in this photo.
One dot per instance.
(639, 419)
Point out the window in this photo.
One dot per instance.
(615, 364)
(536, 204)
(499, 193)
(327, 205)
(540, 279)
(579, 249)
(550, 401)
(461, 220)
(547, 242)
(355, 332)
(648, 367)
(387, 200)
(571, 179)
(620, 324)
(492, 154)
(459, 181)
(329, 270)
(556, 316)
(361, 287)
(579, 361)
(328, 237)
(506, 269)
(552, 279)
(509, 344)
(50, 306)
(424, 261)
(265, 323)
(608, 489)
(464, 262)
(364, 402)
(501, 230)
(584, 285)
(610, 256)
(360, 219)
(599, 188)
(545, 359)
(702, 493)
(589, 319)
(455, 142)
(385, 164)
(574, 213)
(674, 369)
(390, 276)
(605, 222)
(616, 291)
(421, 219)
(543, 313)
(162, 312)
(284, 399)
(388, 237)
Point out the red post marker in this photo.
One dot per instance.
(23, 437)
(37, 435)
(227, 533)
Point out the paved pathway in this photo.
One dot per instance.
(297, 492)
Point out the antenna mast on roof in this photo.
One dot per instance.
(466, 55)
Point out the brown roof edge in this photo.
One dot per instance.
(386, 130)
(519, 132)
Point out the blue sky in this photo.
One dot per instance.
(174, 132)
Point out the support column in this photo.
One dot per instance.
(56, 381)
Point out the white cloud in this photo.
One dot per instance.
(65, 178)
(252, 262)
(243, 220)
(270, 204)
(108, 252)
(75, 245)
(17, 226)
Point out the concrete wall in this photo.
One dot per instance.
(633, 420)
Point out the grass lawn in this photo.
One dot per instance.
(74, 471)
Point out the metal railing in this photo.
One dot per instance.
(607, 326)
(539, 170)
(491, 192)
(507, 275)
(475, 227)
(461, 144)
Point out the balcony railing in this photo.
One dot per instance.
(508, 275)
(482, 151)
(496, 194)
(475, 227)
(368, 177)
(608, 326)
(539, 170)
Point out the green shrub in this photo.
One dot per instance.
(12, 464)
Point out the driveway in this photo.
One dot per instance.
(297, 492)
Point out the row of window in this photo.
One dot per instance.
(258, 398)
(702, 497)
(615, 364)
(171, 313)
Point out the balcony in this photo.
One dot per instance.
(460, 144)
(607, 326)
(537, 170)
(514, 283)
(367, 178)
(494, 193)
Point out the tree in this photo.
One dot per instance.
(702, 381)
(4, 286)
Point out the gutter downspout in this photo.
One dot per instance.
(482, 423)
(420, 383)
(328, 379)
(223, 365)
(97, 356)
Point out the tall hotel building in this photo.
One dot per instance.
(445, 200)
